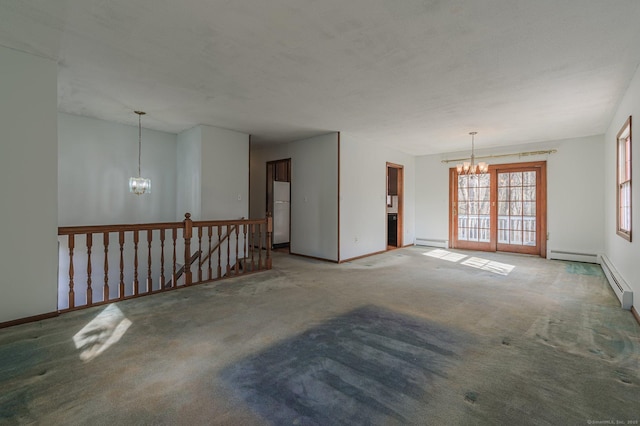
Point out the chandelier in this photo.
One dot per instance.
(139, 185)
(470, 167)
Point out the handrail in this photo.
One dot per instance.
(68, 230)
(83, 247)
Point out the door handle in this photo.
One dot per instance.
(455, 212)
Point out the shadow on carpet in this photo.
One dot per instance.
(370, 365)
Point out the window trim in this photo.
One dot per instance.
(623, 135)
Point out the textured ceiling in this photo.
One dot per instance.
(415, 75)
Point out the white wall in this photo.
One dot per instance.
(314, 192)
(225, 174)
(96, 158)
(314, 197)
(363, 186)
(213, 174)
(28, 185)
(623, 254)
(189, 152)
(575, 192)
(575, 196)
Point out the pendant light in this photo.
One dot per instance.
(139, 185)
(470, 167)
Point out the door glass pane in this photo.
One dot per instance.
(517, 208)
(474, 208)
(516, 179)
(529, 178)
(529, 208)
(529, 193)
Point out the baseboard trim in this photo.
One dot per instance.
(29, 319)
(313, 257)
(363, 256)
(635, 314)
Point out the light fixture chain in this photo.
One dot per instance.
(139, 141)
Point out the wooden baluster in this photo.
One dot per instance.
(162, 281)
(269, 231)
(253, 246)
(89, 289)
(136, 238)
(72, 294)
(105, 288)
(244, 247)
(199, 251)
(174, 279)
(219, 250)
(237, 265)
(149, 279)
(121, 288)
(210, 233)
(260, 245)
(187, 233)
(228, 249)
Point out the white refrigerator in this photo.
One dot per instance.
(281, 194)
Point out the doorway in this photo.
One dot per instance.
(504, 209)
(279, 201)
(394, 205)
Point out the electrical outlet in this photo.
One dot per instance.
(239, 197)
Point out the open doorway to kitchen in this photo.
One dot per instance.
(394, 205)
(279, 201)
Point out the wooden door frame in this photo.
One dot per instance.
(541, 206)
(453, 216)
(400, 221)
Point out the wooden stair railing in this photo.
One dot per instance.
(179, 272)
(115, 258)
(218, 244)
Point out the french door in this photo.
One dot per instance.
(501, 210)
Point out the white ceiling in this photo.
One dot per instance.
(417, 75)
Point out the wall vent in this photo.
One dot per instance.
(617, 283)
(430, 242)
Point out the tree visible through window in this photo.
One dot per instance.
(624, 181)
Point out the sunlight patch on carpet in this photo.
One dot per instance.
(489, 265)
(474, 262)
(445, 255)
(103, 331)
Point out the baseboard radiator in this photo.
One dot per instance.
(617, 283)
(573, 256)
(430, 242)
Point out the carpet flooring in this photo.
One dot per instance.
(411, 336)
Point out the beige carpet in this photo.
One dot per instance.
(412, 336)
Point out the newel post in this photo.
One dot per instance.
(269, 232)
(187, 232)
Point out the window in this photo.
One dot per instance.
(624, 181)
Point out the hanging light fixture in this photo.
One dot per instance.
(470, 167)
(139, 185)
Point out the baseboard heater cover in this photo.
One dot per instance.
(617, 283)
(432, 242)
(573, 256)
